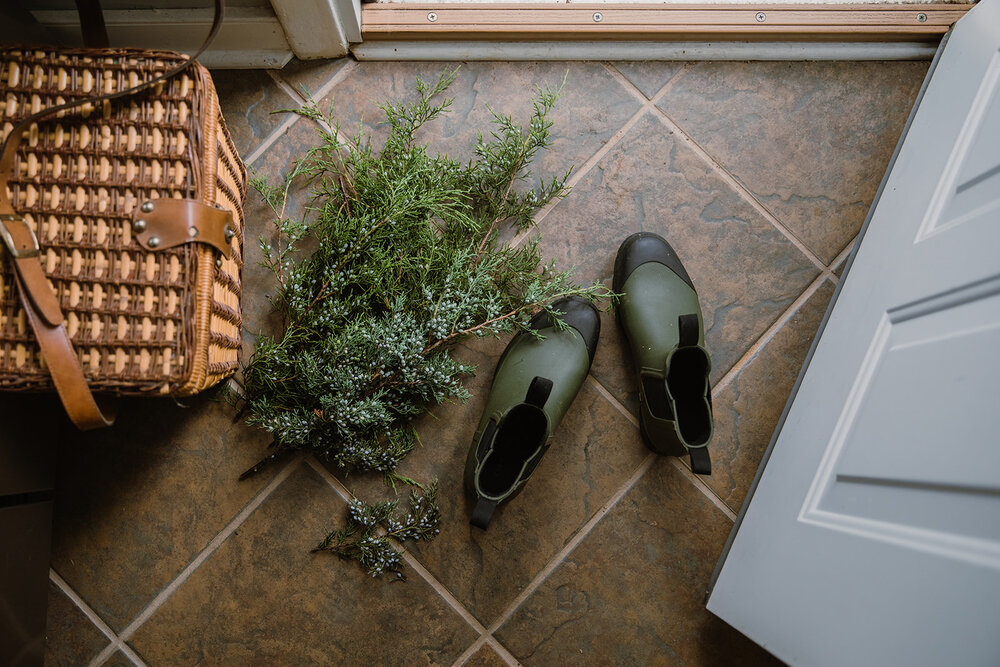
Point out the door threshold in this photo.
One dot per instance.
(677, 22)
(531, 31)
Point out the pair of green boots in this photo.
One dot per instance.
(537, 379)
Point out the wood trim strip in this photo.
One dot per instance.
(451, 21)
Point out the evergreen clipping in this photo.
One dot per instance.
(400, 255)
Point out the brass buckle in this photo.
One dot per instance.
(8, 240)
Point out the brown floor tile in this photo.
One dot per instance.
(745, 271)
(809, 140)
(311, 74)
(264, 599)
(70, 637)
(594, 451)
(632, 592)
(260, 285)
(747, 410)
(485, 657)
(593, 106)
(648, 76)
(118, 659)
(248, 97)
(136, 502)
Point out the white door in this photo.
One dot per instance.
(873, 535)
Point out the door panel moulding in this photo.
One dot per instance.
(690, 23)
(640, 50)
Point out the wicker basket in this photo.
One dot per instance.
(142, 320)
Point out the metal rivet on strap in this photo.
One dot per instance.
(147, 207)
(229, 233)
(218, 262)
(192, 232)
(153, 242)
(139, 225)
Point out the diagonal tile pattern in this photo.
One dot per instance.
(631, 593)
(759, 174)
(796, 136)
(70, 636)
(592, 455)
(264, 598)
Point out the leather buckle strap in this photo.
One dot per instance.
(41, 307)
(25, 251)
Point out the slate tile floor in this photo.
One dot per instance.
(759, 174)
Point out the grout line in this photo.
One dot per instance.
(738, 187)
(469, 652)
(705, 489)
(410, 559)
(841, 257)
(328, 477)
(583, 171)
(646, 106)
(271, 139)
(286, 87)
(91, 615)
(324, 90)
(132, 655)
(85, 608)
(630, 87)
(638, 94)
(335, 80)
(672, 82)
(595, 158)
(210, 549)
(578, 537)
(609, 397)
(766, 337)
(676, 461)
(502, 651)
(106, 654)
(440, 589)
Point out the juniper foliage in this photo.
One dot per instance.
(401, 254)
(371, 526)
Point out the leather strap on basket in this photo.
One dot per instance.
(37, 297)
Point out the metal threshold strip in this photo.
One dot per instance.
(453, 21)
(467, 31)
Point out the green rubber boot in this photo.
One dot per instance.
(535, 382)
(661, 318)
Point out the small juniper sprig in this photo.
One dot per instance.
(400, 255)
(373, 527)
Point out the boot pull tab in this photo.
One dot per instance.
(688, 325)
(701, 463)
(482, 513)
(538, 392)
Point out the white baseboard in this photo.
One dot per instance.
(249, 37)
